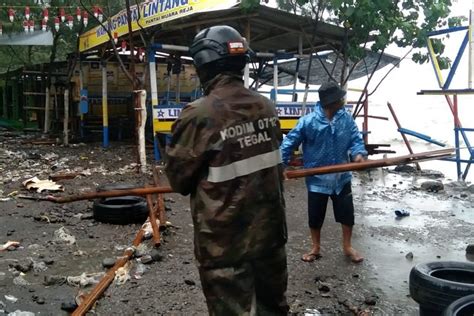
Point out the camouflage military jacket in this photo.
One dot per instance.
(224, 151)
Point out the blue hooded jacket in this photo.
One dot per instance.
(325, 143)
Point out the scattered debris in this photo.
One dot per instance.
(21, 313)
(9, 245)
(108, 262)
(432, 186)
(24, 266)
(54, 280)
(324, 287)
(312, 312)
(68, 175)
(11, 298)
(405, 169)
(189, 282)
(409, 256)
(69, 306)
(84, 279)
(402, 213)
(156, 255)
(42, 185)
(146, 259)
(371, 299)
(148, 229)
(471, 188)
(20, 281)
(63, 235)
(140, 269)
(122, 275)
(38, 299)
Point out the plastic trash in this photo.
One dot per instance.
(402, 213)
(140, 269)
(11, 298)
(21, 313)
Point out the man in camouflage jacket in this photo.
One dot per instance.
(224, 152)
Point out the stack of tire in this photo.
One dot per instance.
(120, 210)
(443, 288)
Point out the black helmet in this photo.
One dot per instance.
(217, 49)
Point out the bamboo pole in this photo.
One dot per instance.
(368, 164)
(104, 283)
(160, 203)
(152, 216)
(353, 166)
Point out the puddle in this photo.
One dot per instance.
(424, 209)
(413, 221)
(391, 269)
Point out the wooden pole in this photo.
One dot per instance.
(105, 107)
(66, 117)
(152, 217)
(353, 166)
(141, 128)
(46, 111)
(405, 140)
(160, 199)
(105, 194)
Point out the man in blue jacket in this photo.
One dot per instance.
(329, 136)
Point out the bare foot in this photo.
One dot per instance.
(353, 255)
(312, 255)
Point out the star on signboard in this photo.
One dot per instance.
(279, 111)
(161, 113)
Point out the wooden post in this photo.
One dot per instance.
(15, 101)
(5, 95)
(81, 86)
(66, 117)
(105, 112)
(54, 91)
(141, 129)
(46, 112)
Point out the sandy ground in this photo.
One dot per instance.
(439, 228)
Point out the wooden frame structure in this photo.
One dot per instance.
(451, 95)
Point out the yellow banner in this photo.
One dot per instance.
(149, 14)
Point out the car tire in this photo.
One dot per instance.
(435, 285)
(121, 210)
(461, 307)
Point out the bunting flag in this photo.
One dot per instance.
(27, 16)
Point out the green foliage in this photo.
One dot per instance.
(249, 5)
(379, 23)
(12, 57)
